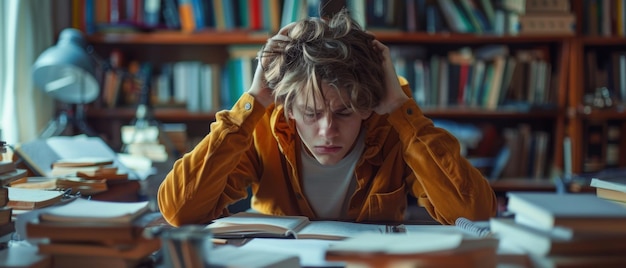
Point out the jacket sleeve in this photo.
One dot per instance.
(446, 184)
(217, 171)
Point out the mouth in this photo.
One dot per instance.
(327, 149)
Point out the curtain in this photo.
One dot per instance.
(25, 31)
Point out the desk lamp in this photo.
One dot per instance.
(66, 72)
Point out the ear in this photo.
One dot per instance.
(366, 115)
(290, 115)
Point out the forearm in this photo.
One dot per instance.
(198, 188)
(453, 186)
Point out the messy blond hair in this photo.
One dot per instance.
(335, 51)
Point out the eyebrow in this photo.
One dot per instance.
(311, 109)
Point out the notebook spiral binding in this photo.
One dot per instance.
(473, 228)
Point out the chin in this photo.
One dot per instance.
(327, 161)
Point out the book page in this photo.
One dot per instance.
(310, 251)
(40, 154)
(337, 229)
(32, 195)
(246, 223)
(93, 210)
(617, 184)
(407, 243)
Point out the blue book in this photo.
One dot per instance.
(198, 13)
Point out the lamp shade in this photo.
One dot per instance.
(66, 71)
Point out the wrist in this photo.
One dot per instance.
(392, 105)
(261, 98)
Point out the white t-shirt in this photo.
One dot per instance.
(328, 188)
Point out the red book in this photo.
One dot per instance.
(463, 80)
(255, 14)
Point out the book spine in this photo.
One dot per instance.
(187, 21)
(21, 205)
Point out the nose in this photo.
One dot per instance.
(327, 127)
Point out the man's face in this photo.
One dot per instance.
(330, 129)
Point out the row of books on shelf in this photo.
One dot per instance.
(195, 85)
(488, 77)
(510, 17)
(603, 145)
(512, 152)
(605, 69)
(604, 18)
(188, 15)
(463, 16)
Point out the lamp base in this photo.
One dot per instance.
(60, 124)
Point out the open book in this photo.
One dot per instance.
(245, 224)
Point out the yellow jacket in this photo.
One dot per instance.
(253, 146)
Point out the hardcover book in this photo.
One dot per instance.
(577, 212)
(6, 166)
(99, 232)
(84, 210)
(542, 243)
(29, 199)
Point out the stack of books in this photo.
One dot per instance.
(87, 175)
(73, 185)
(84, 233)
(612, 189)
(559, 229)
(13, 200)
(88, 168)
(8, 174)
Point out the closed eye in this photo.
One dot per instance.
(344, 112)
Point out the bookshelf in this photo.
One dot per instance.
(561, 51)
(595, 57)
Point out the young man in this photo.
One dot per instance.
(327, 131)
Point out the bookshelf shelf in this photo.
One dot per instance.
(606, 114)
(163, 114)
(603, 40)
(457, 38)
(473, 113)
(179, 38)
(208, 37)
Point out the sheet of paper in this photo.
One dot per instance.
(399, 243)
(342, 229)
(312, 252)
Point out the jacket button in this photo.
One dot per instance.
(409, 111)
(248, 106)
(298, 196)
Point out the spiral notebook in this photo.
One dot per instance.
(480, 229)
